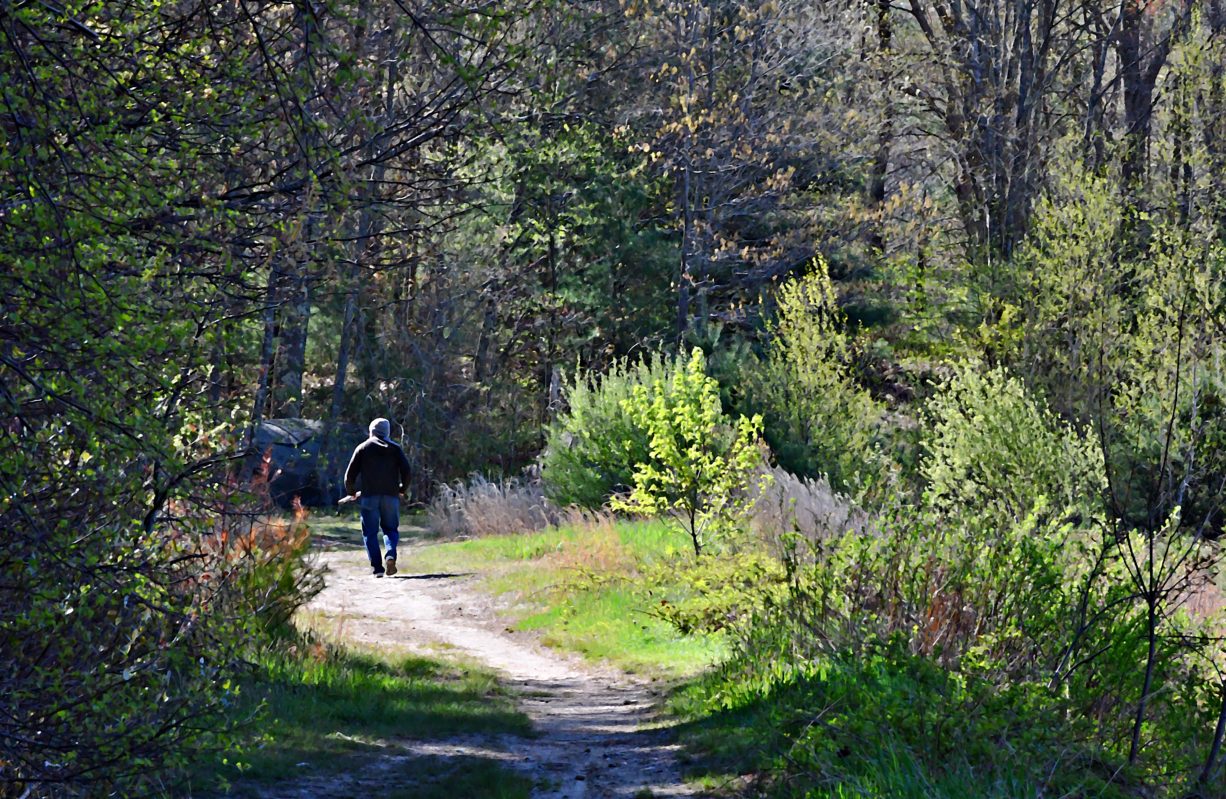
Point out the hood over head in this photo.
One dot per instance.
(381, 431)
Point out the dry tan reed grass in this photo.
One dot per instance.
(492, 507)
(805, 506)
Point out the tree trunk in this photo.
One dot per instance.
(1213, 101)
(1138, 93)
(267, 351)
(885, 136)
(296, 305)
(1141, 62)
(1134, 748)
(1215, 750)
(684, 279)
(1094, 127)
(291, 355)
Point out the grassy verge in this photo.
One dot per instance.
(885, 724)
(587, 589)
(336, 710)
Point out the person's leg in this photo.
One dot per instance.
(369, 509)
(389, 512)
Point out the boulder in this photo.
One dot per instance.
(296, 468)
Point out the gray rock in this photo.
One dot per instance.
(295, 466)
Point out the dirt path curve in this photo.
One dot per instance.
(593, 738)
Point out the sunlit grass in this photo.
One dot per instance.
(582, 588)
(318, 709)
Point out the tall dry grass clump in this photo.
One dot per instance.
(492, 507)
(805, 506)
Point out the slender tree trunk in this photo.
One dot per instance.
(684, 279)
(1215, 750)
(1213, 102)
(489, 323)
(1134, 748)
(1094, 130)
(296, 304)
(267, 351)
(291, 357)
(1181, 166)
(885, 135)
(1141, 62)
(548, 364)
(217, 368)
(1138, 95)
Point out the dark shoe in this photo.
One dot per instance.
(378, 572)
(390, 564)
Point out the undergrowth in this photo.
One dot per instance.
(886, 723)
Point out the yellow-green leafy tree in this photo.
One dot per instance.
(701, 464)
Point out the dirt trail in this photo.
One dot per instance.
(592, 740)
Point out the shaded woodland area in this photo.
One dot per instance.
(893, 229)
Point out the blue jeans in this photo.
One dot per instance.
(380, 510)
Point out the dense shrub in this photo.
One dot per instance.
(993, 448)
(593, 446)
(138, 635)
(269, 568)
(1003, 607)
(817, 420)
(700, 463)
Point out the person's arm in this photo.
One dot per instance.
(352, 471)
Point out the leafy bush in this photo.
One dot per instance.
(932, 641)
(816, 418)
(140, 636)
(268, 569)
(1003, 606)
(719, 594)
(699, 465)
(593, 446)
(992, 448)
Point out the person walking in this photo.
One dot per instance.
(383, 471)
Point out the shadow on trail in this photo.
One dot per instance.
(436, 576)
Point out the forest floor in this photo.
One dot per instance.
(596, 730)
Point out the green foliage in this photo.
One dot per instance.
(593, 446)
(994, 449)
(698, 467)
(718, 594)
(949, 655)
(557, 227)
(132, 573)
(1002, 607)
(816, 418)
(1123, 333)
(887, 723)
(274, 574)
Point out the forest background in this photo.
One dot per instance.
(958, 263)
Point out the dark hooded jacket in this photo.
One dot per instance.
(381, 467)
